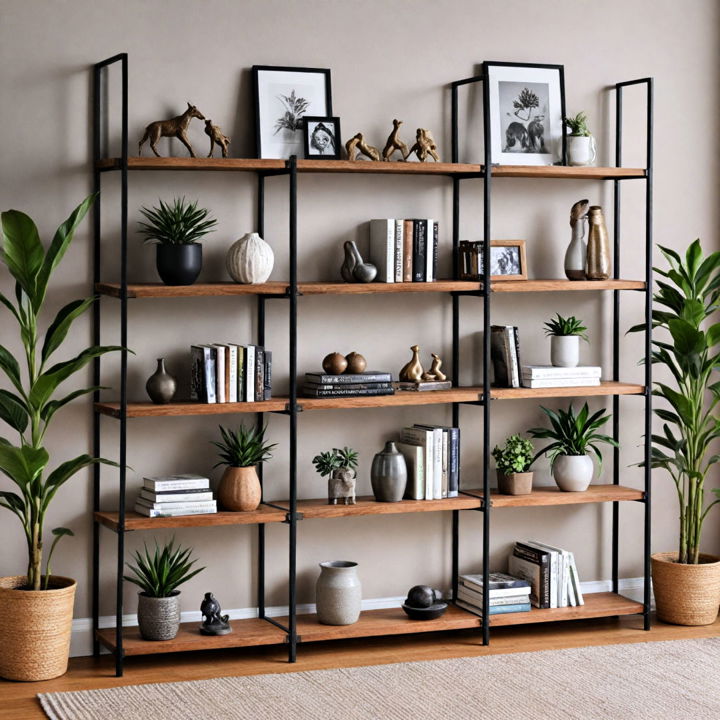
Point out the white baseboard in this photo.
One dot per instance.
(81, 643)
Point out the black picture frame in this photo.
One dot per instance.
(522, 140)
(277, 102)
(317, 126)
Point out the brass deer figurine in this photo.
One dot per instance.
(216, 136)
(395, 143)
(174, 127)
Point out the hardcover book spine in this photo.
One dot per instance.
(320, 378)
(415, 489)
(382, 248)
(544, 372)
(210, 370)
(197, 374)
(241, 373)
(498, 354)
(232, 353)
(435, 248)
(542, 560)
(515, 350)
(561, 382)
(345, 392)
(267, 389)
(418, 251)
(454, 463)
(399, 260)
(429, 251)
(353, 386)
(220, 386)
(259, 373)
(407, 250)
(249, 373)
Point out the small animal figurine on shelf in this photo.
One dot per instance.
(357, 143)
(213, 622)
(354, 268)
(395, 143)
(216, 136)
(434, 373)
(340, 467)
(412, 371)
(424, 145)
(174, 127)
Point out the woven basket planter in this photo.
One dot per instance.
(686, 594)
(35, 627)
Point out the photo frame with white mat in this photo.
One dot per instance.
(284, 96)
(321, 137)
(526, 107)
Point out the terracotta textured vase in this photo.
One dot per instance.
(338, 593)
(239, 489)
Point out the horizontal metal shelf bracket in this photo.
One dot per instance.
(468, 293)
(289, 517)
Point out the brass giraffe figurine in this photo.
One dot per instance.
(174, 127)
(395, 143)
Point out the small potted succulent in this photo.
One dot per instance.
(573, 438)
(339, 466)
(242, 451)
(159, 574)
(513, 462)
(580, 143)
(565, 334)
(176, 229)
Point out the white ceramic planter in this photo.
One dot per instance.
(565, 350)
(581, 150)
(573, 473)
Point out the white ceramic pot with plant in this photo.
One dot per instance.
(565, 335)
(573, 438)
(686, 583)
(581, 149)
(513, 462)
(36, 608)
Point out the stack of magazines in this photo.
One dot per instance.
(508, 594)
(175, 495)
(370, 382)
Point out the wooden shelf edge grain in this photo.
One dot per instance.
(547, 496)
(312, 509)
(567, 172)
(605, 388)
(183, 409)
(559, 285)
(401, 398)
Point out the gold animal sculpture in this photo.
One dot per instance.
(357, 143)
(216, 136)
(424, 145)
(394, 143)
(412, 371)
(434, 373)
(174, 127)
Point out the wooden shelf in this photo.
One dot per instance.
(567, 172)
(605, 388)
(159, 290)
(182, 409)
(555, 496)
(312, 509)
(522, 286)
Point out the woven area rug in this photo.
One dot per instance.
(677, 680)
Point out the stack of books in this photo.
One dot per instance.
(370, 382)
(546, 376)
(551, 572)
(505, 355)
(404, 250)
(175, 495)
(432, 454)
(508, 594)
(227, 372)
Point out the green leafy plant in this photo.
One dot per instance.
(577, 125)
(573, 434)
(161, 572)
(31, 406)
(243, 447)
(560, 326)
(516, 456)
(180, 223)
(683, 304)
(335, 459)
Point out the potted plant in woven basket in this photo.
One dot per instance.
(513, 462)
(686, 583)
(36, 608)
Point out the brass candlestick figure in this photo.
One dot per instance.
(394, 143)
(174, 127)
(216, 136)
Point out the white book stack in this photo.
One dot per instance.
(174, 495)
(547, 376)
(507, 593)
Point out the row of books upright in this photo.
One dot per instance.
(432, 454)
(404, 250)
(507, 594)
(227, 372)
(175, 495)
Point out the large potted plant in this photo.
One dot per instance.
(573, 437)
(36, 608)
(686, 583)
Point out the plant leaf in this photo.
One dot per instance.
(58, 330)
(22, 250)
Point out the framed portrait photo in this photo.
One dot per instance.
(284, 96)
(507, 260)
(321, 137)
(526, 107)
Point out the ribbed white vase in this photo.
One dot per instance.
(250, 260)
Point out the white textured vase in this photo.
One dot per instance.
(338, 593)
(565, 350)
(581, 150)
(573, 473)
(250, 260)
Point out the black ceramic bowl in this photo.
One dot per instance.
(429, 613)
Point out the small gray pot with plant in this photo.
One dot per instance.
(513, 462)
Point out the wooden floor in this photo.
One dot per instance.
(18, 702)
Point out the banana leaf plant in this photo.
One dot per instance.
(686, 299)
(31, 405)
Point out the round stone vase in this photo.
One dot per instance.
(239, 489)
(565, 350)
(573, 473)
(159, 618)
(388, 474)
(161, 385)
(250, 260)
(338, 593)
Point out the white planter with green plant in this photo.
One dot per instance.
(581, 149)
(513, 462)
(565, 335)
(37, 600)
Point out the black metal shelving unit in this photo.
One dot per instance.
(288, 512)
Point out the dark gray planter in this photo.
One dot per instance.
(179, 264)
(159, 618)
(388, 474)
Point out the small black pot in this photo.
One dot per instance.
(179, 264)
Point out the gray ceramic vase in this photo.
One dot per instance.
(159, 618)
(161, 385)
(388, 474)
(338, 593)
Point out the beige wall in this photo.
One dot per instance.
(388, 59)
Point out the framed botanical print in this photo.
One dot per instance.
(322, 137)
(284, 96)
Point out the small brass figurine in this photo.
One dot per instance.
(216, 136)
(434, 373)
(174, 127)
(213, 622)
(357, 143)
(395, 143)
(412, 371)
(424, 146)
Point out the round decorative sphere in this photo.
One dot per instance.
(249, 260)
(356, 363)
(334, 364)
(420, 596)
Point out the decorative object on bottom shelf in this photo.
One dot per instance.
(424, 603)
(159, 574)
(507, 593)
(581, 149)
(175, 495)
(354, 268)
(388, 474)
(576, 253)
(214, 622)
(565, 334)
(249, 260)
(242, 450)
(339, 466)
(338, 593)
(598, 249)
(161, 385)
(513, 462)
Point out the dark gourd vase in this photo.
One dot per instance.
(179, 264)
(388, 474)
(161, 385)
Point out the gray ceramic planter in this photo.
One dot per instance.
(159, 618)
(338, 593)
